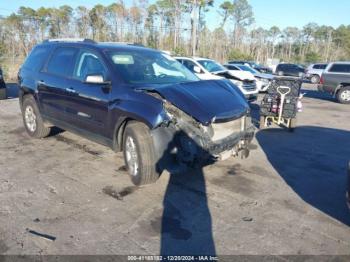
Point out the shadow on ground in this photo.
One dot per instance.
(186, 227)
(313, 162)
(318, 95)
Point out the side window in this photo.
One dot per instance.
(89, 64)
(62, 61)
(323, 66)
(340, 68)
(316, 67)
(232, 68)
(37, 58)
(189, 64)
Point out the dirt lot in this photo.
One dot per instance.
(288, 197)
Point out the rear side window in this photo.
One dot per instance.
(340, 68)
(62, 61)
(37, 58)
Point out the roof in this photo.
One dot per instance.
(97, 45)
(193, 58)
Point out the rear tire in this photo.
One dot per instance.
(343, 95)
(315, 79)
(32, 119)
(139, 154)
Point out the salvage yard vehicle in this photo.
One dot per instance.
(209, 69)
(258, 67)
(133, 99)
(2, 86)
(281, 104)
(263, 81)
(290, 70)
(314, 72)
(336, 81)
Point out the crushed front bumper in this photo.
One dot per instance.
(190, 146)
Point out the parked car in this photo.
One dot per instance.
(290, 70)
(258, 67)
(314, 72)
(336, 81)
(2, 86)
(132, 99)
(263, 81)
(209, 69)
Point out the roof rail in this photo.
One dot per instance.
(85, 40)
(123, 43)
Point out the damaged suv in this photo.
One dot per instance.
(133, 99)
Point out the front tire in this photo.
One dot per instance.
(343, 95)
(32, 119)
(139, 154)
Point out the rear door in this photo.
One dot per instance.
(87, 103)
(336, 74)
(52, 82)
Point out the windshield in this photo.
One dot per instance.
(144, 67)
(247, 68)
(211, 65)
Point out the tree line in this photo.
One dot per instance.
(180, 26)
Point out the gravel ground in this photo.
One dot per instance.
(287, 198)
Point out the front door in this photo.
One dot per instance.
(87, 106)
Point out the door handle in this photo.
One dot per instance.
(41, 82)
(70, 90)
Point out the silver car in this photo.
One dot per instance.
(314, 72)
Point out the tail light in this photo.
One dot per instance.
(321, 80)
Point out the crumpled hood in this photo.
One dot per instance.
(205, 100)
(242, 75)
(263, 75)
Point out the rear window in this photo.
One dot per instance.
(36, 58)
(320, 66)
(340, 68)
(62, 60)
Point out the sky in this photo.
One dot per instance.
(267, 13)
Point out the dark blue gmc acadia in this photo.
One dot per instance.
(132, 99)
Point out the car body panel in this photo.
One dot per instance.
(205, 100)
(314, 69)
(290, 70)
(238, 80)
(332, 81)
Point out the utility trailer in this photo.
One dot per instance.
(281, 104)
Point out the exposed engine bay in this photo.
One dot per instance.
(192, 142)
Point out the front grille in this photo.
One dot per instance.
(223, 130)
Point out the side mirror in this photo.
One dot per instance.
(197, 69)
(95, 79)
